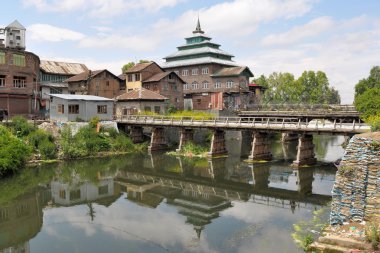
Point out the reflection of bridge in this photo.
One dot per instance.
(260, 127)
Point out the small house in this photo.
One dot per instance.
(67, 107)
(136, 101)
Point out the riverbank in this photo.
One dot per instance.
(355, 208)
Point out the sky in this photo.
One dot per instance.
(339, 37)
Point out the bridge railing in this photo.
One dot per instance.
(247, 122)
(303, 107)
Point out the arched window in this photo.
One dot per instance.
(218, 84)
(229, 84)
(186, 86)
(195, 85)
(205, 85)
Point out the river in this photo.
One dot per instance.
(160, 203)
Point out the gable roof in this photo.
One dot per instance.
(17, 25)
(141, 66)
(62, 68)
(88, 74)
(233, 71)
(158, 77)
(141, 94)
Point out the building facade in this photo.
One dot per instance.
(96, 83)
(18, 80)
(66, 107)
(152, 77)
(212, 79)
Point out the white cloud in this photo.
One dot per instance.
(45, 32)
(314, 28)
(100, 8)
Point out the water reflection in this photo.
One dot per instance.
(154, 203)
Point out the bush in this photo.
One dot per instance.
(47, 149)
(94, 122)
(13, 152)
(122, 143)
(372, 234)
(20, 126)
(193, 149)
(193, 114)
(374, 122)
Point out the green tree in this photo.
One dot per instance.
(373, 81)
(13, 152)
(127, 66)
(368, 103)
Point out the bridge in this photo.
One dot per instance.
(261, 128)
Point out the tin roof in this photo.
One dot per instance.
(138, 67)
(17, 25)
(200, 50)
(84, 75)
(81, 97)
(62, 68)
(141, 94)
(233, 71)
(158, 77)
(196, 61)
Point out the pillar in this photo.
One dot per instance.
(305, 152)
(260, 147)
(218, 143)
(286, 137)
(136, 134)
(185, 136)
(157, 141)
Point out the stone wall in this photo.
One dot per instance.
(356, 191)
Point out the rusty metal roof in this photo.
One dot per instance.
(141, 94)
(84, 76)
(158, 77)
(62, 68)
(233, 71)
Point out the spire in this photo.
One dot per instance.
(198, 29)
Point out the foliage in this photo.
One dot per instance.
(197, 115)
(372, 82)
(172, 109)
(42, 142)
(13, 152)
(127, 66)
(311, 88)
(20, 126)
(372, 234)
(305, 232)
(148, 113)
(94, 122)
(375, 145)
(368, 103)
(374, 122)
(122, 143)
(192, 149)
(346, 171)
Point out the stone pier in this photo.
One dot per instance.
(260, 147)
(218, 143)
(185, 136)
(305, 151)
(136, 134)
(158, 141)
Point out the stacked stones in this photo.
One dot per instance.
(356, 183)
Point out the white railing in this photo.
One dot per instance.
(260, 123)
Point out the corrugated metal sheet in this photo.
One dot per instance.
(63, 68)
(81, 97)
(200, 50)
(202, 60)
(141, 94)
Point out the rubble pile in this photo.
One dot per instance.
(356, 192)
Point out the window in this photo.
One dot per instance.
(195, 86)
(73, 109)
(55, 91)
(137, 77)
(174, 87)
(2, 81)
(18, 37)
(204, 71)
(186, 86)
(61, 109)
(185, 72)
(75, 194)
(19, 60)
(2, 57)
(218, 84)
(229, 84)
(103, 190)
(147, 108)
(157, 109)
(102, 109)
(19, 81)
(170, 76)
(194, 72)
(130, 78)
(205, 85)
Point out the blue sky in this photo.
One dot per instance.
(339, 37)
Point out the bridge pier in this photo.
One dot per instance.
(260, 147)
(136, 134)
(286, 137)
(185, 136)
(158, 141)
(305, 178)
(305, 152)
(218, 143)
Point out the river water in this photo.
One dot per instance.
(160, 203)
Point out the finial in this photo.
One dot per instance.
(198, 29)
